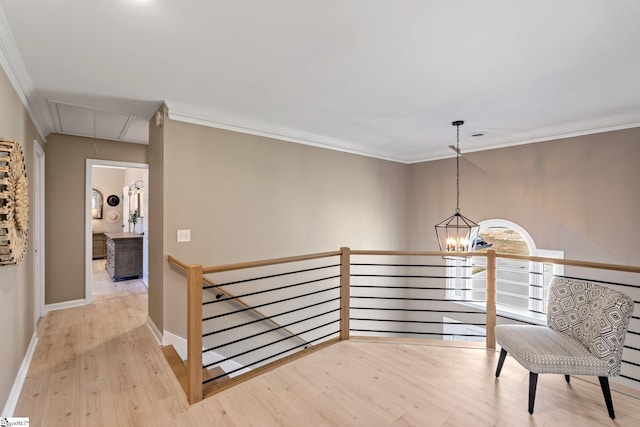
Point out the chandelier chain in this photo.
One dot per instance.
(457, 168)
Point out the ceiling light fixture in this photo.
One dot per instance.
(457, 233)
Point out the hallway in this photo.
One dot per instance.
(97, 364)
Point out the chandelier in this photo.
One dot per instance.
(457, 233)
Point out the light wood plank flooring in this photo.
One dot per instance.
(98, 365)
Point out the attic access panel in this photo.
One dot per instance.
(86, 121)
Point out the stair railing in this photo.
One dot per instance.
(347, 287)
(222, 292)
(195, 279)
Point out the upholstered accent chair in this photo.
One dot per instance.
(586, 327)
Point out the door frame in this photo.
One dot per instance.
(88, 246)
(38, 233)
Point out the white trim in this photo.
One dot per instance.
(155, 332)
(63, 305)
(39, 224)
(12, 63)
(13, 66)
(538, 319)
(14, 394)
(88, 245)
(557, 133)
(561, 133)
(214, 119)
(180, 344)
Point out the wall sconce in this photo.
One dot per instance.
(135, 205)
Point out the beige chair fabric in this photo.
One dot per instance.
(586, 328)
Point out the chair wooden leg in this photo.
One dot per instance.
(567, 378)
(604, 384)
(503, 355)
(533, 382)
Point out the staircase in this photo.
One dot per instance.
(179, 368)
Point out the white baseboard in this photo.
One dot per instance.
(154, 330)
(65, 304)
(12, 400)
(180, 344)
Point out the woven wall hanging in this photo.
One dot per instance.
(14, 203)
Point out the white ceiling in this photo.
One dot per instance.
(384, 78)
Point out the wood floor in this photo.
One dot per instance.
(98, 365)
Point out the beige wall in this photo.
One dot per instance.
(16, 282)
(156, 258)
(247, 197)
(65, 208)
(575, 194)
(108, 181)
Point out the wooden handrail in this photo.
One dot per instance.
(267, 262)
(185, 267)
(253, 264)
(236, 299)
(177, 262)
(415, 253)
(573, 263)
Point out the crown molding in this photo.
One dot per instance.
(204, 117)
(573, 134)
(629, 121)
(14, 68)
(189, 114)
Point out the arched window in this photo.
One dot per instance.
(521, 286)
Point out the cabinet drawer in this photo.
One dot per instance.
(99, 246)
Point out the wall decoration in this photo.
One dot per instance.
(96, 204)
(113, 217)
(14, 203)
(113, 200)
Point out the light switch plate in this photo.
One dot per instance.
(184, 235)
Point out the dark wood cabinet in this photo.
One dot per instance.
(124, 255)
(99, 246)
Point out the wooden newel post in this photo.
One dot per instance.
(345, 292)
(491, 298)
(194, 333)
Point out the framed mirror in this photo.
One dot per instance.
(96, 204)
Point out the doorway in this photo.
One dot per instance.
(108, 187)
